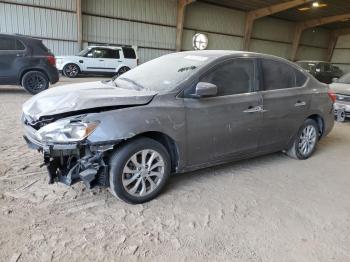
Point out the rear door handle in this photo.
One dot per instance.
(255, 109)
(101, 60)
(300, 103)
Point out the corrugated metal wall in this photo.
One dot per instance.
(148, 24)
(151, 25)
(341, 55)
(42, 19)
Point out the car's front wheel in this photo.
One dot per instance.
(35, 82)
(139, 170)
(71, 70)
(304, 144)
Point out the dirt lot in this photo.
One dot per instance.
(270, 208)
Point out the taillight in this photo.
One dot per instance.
(332, 95)
(52, 60)
(138, 61)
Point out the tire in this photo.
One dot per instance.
(305, 142)
(35, 82)
(71, 70)
(135, 186)
(123, 70)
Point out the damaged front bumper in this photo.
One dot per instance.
(70, 163)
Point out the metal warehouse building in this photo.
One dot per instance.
(155, 26)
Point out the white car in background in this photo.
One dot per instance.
(111, 60)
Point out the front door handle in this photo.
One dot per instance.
(300, 103)
(101, 60)
(255, 109)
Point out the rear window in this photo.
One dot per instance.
(279, 75)
(129, 53)
(10, 44)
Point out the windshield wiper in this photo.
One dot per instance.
(140, 87)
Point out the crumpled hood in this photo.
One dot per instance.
(76, 97)
(340, 88)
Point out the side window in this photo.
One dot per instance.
(277, 75)
(90, 54)
(19, 46)
(11, 44)
(300, 78)
(110, 53)
(7, 43)
(233, 77)
(129, 53)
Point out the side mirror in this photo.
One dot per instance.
(204, 89)
(335, 80)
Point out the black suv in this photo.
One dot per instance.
(322, 71)
(26, 61)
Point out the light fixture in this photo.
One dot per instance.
(314, 4)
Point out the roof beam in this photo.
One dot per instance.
(181, 8)
(262, 12)
(300, 27)
(79, 25)
(334, 39)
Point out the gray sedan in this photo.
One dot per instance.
(180, 112)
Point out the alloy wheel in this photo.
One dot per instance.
(71, 70)
(307, 140)
(143, 172)
(36, 82)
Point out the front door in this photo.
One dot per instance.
(112, 60)
(94, 61)
(228, 124)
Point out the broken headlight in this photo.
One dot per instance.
(66, 130)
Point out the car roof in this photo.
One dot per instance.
(105, 46)
(224, 53)
(18, 36)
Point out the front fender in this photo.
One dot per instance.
(123, 124)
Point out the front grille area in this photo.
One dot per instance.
(343, 98)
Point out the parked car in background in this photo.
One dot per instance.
(341, 88)
(106, 60)
(177, 113)
(27, 62)
(322, 71)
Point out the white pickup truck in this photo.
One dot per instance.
(112, 60)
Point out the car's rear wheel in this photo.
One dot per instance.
(35, 82)
(71, 70)
(139, 170)
(305, 142)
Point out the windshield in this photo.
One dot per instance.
(345, 79)
(83, 52)
(163, 73)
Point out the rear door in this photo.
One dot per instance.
(112, 59)
(228, 124)
(12, 53)
(285, 103)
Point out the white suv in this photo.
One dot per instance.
(98, 60)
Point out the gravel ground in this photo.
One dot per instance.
(270, 208)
